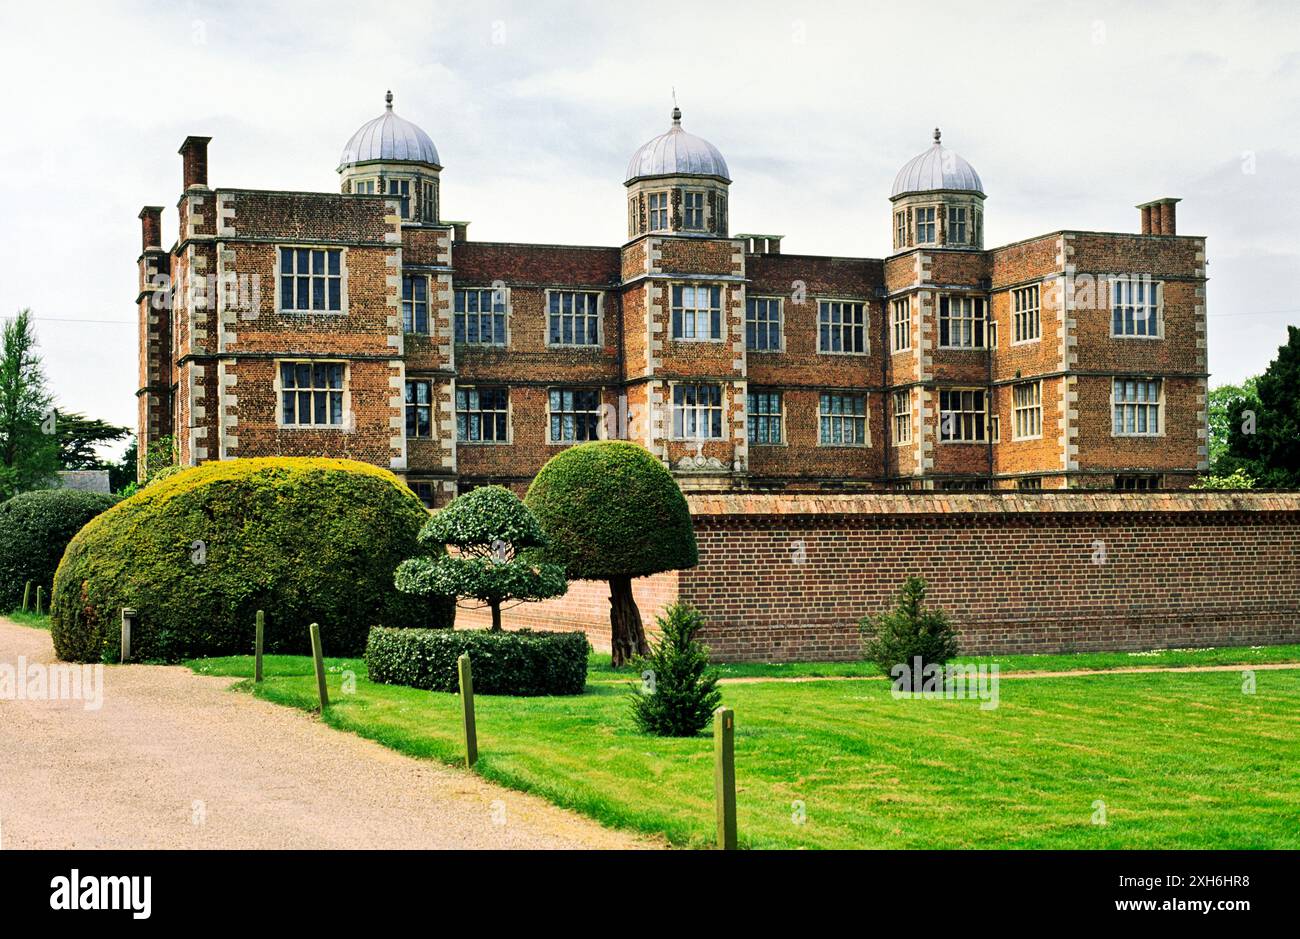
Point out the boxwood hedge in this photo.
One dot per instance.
(35, 528)
(198, 553)
(514, 663)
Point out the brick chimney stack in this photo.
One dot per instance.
(1159, 217)
(151, 228)
(194, 159)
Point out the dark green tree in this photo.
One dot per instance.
(613, 512)
(679, 691)
(909, 631)
(80, 437)
(491, 530)
(122, 474)
(29, 455)
(1264, 435)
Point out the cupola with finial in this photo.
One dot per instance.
(677, 183)
(938, 201)
(391, 156)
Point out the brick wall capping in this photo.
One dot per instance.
(706, 505)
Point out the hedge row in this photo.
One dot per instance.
(513, 663)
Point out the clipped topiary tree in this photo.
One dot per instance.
(35, 528)
(198, 553)
(909, 631)
(612, 512)
(489, 528)
(679, 692)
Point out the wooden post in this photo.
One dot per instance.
(467, 709)
(257, 646)
(128, 620)
(320, 667)
(724, 776)
(40, 598)
(27, 597)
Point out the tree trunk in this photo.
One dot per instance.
(627, 636)
(496, 617)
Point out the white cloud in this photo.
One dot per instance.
(1072, 114)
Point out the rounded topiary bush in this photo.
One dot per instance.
(35, 528)
(611, 511)
(198, 553)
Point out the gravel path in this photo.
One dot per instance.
(174, 760)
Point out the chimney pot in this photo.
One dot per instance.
(1159, 216)
(151, 227)
(194, 162)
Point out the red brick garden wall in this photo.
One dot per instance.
(785, 577)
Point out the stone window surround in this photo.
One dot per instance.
(723, 311)
(600, 415)
(508, 313)
(1159, 305)
(866, 324)
(780, 318)
(429, 310)
(510, 415)
(343, 279)
(1024, 313)
(1018, 409)
(672, 411)
(546, 300)
(432, 407)
(903, 304)
(780, 415)
(278, 386)
(703, 208)
(865, 416)
(904, 395)
(988, 436)
(990, 328)
(1159, 407)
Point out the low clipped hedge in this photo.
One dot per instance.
(35, 528)
(514, 663)
(199, 552)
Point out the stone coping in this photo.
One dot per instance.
(988, 503)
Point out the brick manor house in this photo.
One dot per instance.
(364, 325)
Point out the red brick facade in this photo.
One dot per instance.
(846, 404)
(786, 578)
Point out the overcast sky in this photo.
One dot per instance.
(1071, 112)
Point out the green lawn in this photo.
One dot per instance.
(39, 621)
(1180, 760)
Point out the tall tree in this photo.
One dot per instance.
(80, 437)
(1264, 435)
(1222, 399)
(29, 453)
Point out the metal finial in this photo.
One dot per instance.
(677, 115)
(936, 135)
(388, 99)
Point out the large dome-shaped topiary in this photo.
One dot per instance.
(198, 553)
(35, 528)
(611, 511)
